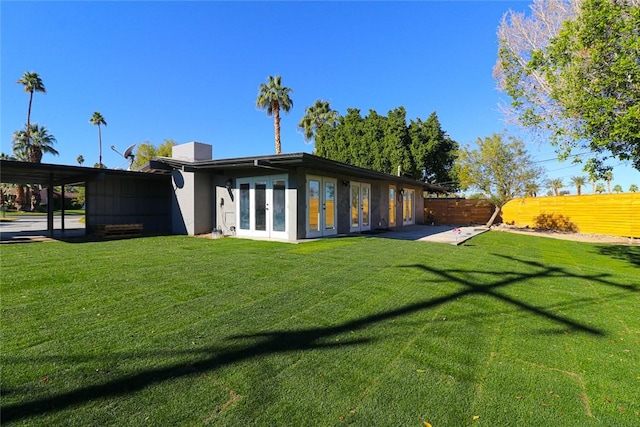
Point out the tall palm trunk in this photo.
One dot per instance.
(276, 125)
(28, 130)
(19, 197)
(99, 146)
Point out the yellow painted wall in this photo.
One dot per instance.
(610, 214)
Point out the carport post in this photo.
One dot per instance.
(62, 209)
(50, 206)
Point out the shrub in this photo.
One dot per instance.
(555, 222)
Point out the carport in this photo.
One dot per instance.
(47, 175)
(112, 196)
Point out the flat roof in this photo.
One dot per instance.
(281, 162)
(17, 172)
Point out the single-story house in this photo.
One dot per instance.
(284, 197)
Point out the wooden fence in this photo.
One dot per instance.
(609, 214)
(457, 211)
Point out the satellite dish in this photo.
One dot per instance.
(128, 154)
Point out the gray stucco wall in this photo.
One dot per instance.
(191, 203)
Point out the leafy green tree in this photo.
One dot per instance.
(146, 152)
(573, 73)
(316, 116)
(384, 143)
(80, 195)
(372, 143)
(555, 185)
(397, 142)
(166, 148)
(501, 169)
(594, 68)
(343, 141)
(618, 189)
(433, 151)
(98, 120)
(633, 188)
(273, 97)
(579, 182)
(33, 144)
(32, 83)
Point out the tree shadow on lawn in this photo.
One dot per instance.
(284, 341)
(631, 254)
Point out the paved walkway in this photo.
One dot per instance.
(29, 229)
(435, 233)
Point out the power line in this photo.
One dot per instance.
(568, 157)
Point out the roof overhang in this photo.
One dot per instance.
(282, 162)
(17, 172)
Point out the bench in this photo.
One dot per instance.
(118, 230)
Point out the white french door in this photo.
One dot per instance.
(408, 206)
(321, 206)
(262, 208)
(360, 207)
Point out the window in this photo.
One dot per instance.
(392, 206)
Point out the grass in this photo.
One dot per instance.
(515, 330)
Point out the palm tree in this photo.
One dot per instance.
(32, 83)
(608, 176)
(617, 189)
(600, 188)
(578, 181)
(555, 185)
(315, 117)
(531, 189)
(32, 145)
(633, 188)
(98, 120)
(272, 97)
(593, 179)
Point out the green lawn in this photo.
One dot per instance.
(515, 330)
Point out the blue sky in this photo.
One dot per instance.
(190, 71)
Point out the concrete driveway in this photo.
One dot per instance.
(30, 228)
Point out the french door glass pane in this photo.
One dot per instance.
(392, 206)
(314, 205)
(244, 206)
(279, 208)
(365, 205)
(329, 205)
(355, 205)
(410, 206)
(261, 206)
